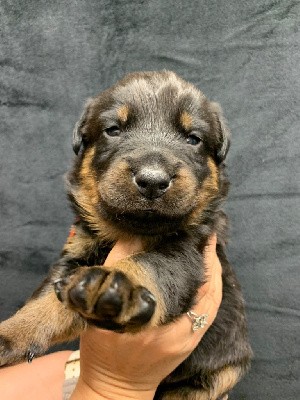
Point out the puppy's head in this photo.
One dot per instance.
(149, 152)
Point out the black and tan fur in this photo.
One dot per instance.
(150, 154)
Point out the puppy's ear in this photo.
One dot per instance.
(223, 132)
(78, 135)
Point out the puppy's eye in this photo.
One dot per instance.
(112, 131)
(193, 140)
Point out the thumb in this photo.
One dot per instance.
(122, 249)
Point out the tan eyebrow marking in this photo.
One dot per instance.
(186, 120)
(123, 112)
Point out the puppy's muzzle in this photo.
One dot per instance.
(152, 182)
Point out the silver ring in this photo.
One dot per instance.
(198, 321)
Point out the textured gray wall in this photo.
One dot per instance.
(54, 54)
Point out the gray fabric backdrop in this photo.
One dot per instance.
(54, 54)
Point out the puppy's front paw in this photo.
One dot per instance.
(106, 299)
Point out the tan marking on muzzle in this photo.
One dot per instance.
(207, 193)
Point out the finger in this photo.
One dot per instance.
(210, 248)
(213, 288)
(211, 263)
(210, 255)
(124, 248)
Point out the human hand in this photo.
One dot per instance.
(123, 366)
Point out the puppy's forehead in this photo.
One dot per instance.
(156, 92)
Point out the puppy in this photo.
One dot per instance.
(150, 163)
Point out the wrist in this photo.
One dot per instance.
(109, 391)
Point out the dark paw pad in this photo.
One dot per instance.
(78, 291)
(111, 301)
(145, 305)
(82, 296)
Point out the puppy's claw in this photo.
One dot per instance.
(58, 285)
(30, 356)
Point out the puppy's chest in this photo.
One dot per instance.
(171, 259)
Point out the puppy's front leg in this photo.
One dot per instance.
(122, 297)
(137, 291)
(112, 297)
(41, 323)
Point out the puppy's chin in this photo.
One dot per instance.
(142, 222)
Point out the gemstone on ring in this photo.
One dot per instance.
(198, 321)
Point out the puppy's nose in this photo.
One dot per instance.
(151, 182)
